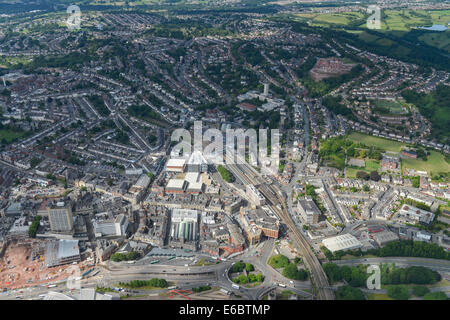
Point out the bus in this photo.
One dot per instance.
(154, 261)
(86, 272)
(225, 291)
(51, 286)
(95, 273)
(171, 258)
(282, 285)
(235, 286)
(172, 288)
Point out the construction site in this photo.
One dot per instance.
(22, 265)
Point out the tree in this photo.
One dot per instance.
(162, 283)
(332, 271)
(249, 267)
(375, 176)
(349, 293)
(291, 272)
(398, 292)
(225, 174)
(259, 277)
(346, 273)
(438, 295)
(420, 291)
(34, 226)
(243, 279)
(238, 267)
(362, 175)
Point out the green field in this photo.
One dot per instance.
(10, 135)
(392, 20)
(326, 19)
(435, 163)
(378, 296)
(439, 40)
(393, 106)
(388, 145)
(404, 20)
(370, 166)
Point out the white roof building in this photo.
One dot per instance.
(175, 165)
(176, 184)
(342, 242)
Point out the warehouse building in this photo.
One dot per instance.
(176, 186)
(410, 214)
(342, 242)
(175, 165)
(384, 237)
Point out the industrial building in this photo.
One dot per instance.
(410, 214)
(176, 186)
(342, 242)
(62, 252)
(176, 165)
(384, 237)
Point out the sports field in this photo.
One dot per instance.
(325, 19)
(388, 145)
(436, 163)
(393, 20)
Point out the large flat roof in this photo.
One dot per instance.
(175, 184)
(175, 163)
(68, 248)
(195, 186)
(342, 242)
(192, 177)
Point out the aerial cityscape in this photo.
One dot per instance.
(237, 150)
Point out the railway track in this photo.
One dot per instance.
(275, 200)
